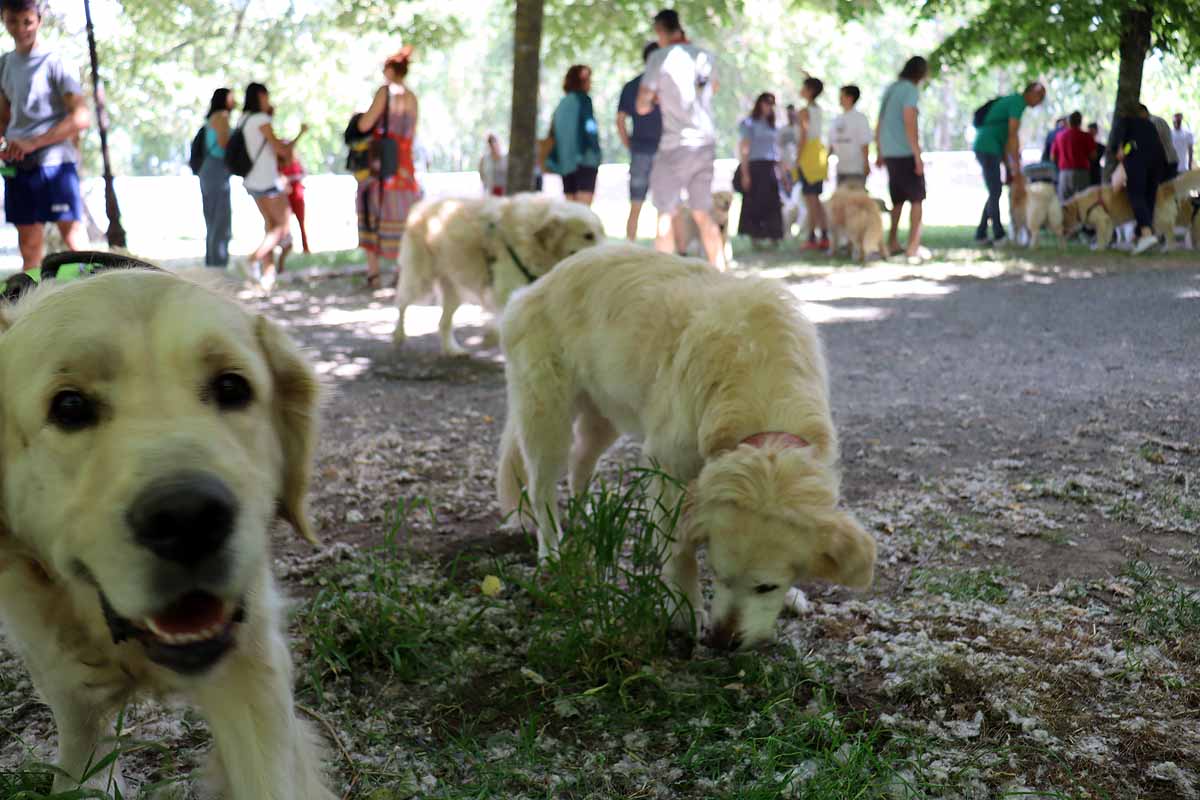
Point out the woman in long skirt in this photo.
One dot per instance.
(758, 175)
(383, 202)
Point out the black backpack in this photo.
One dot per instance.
(980, 117)
(199, 149)
(237, 156)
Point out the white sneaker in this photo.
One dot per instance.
(1145, 243)
(267, 281)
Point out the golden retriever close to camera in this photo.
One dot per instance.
(151, 432)
(855, 220)
(1103, 209)
(724, 381)
(1032, 205)
(485, 248)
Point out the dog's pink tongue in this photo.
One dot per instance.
(193, 613)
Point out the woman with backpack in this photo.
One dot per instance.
(575, 154)
(214, 179)
(263, 182)
(390, 189)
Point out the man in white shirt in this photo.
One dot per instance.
(849, 139)
(681, 79)
(1182, 142)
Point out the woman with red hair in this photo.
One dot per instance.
(391, 189)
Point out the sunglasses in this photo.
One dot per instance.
(77, 265)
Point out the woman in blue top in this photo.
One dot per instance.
(758, 175)
(214, 181)
(576, 152)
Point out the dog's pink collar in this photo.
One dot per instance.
(787, 439)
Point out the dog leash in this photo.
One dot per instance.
(84, 262)
(529, 276)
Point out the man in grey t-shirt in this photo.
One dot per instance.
(681, 79)
(42, 111)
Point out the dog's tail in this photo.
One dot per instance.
(511, 476)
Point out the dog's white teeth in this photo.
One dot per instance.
(184, 638)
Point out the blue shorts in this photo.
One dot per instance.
(42, 194)
(640, 165)
(257, 194)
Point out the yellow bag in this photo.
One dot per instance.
(814, 161)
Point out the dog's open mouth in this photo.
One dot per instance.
(189, 635)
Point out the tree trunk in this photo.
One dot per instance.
(1135, 44)
(527, 46)
(116, 234)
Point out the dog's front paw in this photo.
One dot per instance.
(691, 624)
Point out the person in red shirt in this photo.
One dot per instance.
(293, 171)
(1072, 152)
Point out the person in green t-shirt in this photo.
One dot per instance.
(996, 141)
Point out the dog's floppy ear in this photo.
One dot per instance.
(296, 397)
(848, 555)
(550, 235)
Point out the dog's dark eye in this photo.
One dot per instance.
(591, 237)
(766, 588)
(231, 391)
(71, 410)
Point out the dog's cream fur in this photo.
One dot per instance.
(620, 339)
(1115, 209)
(146, 346)
(1031, 205)
(461, 247)
(854, 220)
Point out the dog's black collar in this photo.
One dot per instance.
(92, 261)
(529, 276)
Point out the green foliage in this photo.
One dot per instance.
(1064, 37)
(605, 608)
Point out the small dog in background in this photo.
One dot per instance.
(855, 221)
(484, 248)
(687, 235)
(1032, 205)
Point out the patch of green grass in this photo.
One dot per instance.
(567, 685)
(374, 613)
(34, 781)
(604, 610)
(1161, 608)
(325, 260)
(964, 583)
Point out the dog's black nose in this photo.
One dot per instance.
(185, 518)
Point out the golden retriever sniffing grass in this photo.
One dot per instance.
(854, 220)
(485, 248)
(151, 432)
(724, 381)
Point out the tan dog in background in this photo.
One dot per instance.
(151, 432)
(1103, 208)
(484, 248)
(1031, 206)
(687, 235)
(724, 381)
(854, 220)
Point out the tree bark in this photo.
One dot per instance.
(116, 233)
(527, 46)
(1135, 44)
